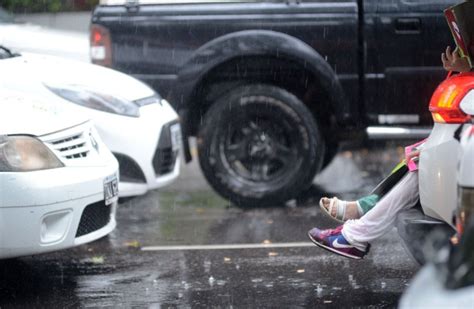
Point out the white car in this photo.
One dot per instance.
(26, 37)
(451, 106)
(448, 282)
(58, 180)
(137, 125)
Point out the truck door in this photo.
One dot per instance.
(403, 64)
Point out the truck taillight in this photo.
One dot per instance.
(100, 45)
(444, 104)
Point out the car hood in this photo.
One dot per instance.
(33, 38)
(30, 71)
(26, 114)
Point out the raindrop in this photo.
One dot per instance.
(207, 266)
(211, 280)
(353, 282)
(319, 290)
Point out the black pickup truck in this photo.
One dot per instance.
(271, 88)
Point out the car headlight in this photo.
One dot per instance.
(95, 100)
(154, 99)
(25, 154)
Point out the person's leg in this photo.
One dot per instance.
(366, 203)
(381, 218)
(345, 210)
(352, 239)
(342, 211)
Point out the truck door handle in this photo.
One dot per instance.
(407, 25)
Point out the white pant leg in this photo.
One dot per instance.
(380, 219)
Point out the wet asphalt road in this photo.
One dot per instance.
(116, 271)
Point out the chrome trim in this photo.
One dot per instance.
(139, 2)
(156, 76)
(374, 75)
(398, 118)
(424, 221)
(397, 132)
(148, 100)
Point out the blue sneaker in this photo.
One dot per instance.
(334, 241)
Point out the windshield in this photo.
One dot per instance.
(5, 17)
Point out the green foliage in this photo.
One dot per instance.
(30, 6)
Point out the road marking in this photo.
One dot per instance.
(229, 246)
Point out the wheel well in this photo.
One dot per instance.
(287, 74)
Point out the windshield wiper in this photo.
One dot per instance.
(8, 51)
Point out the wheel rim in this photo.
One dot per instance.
(258, 149)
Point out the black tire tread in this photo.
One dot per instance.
(242, 196)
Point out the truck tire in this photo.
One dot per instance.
(259, 145)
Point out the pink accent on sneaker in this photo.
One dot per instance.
(333, 241)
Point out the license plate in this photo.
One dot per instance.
(175, 137)
(110, 189)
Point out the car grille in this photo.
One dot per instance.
(94, 217)
(72, 144)
(72, 147)
(164, 159)
(130, 171)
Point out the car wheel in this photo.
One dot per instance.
(259, 145)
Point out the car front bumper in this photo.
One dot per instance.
(53, 209)
(143, 146)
